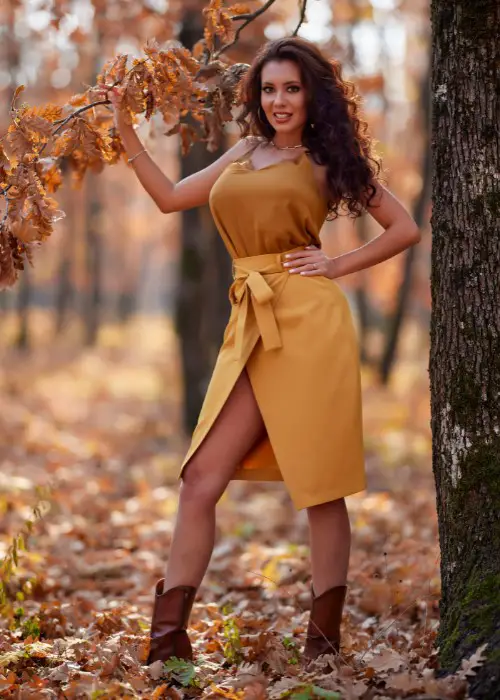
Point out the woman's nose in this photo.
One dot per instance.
(280, 99)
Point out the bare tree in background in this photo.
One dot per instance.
(202, 307)
(12, 61)
(396, 321)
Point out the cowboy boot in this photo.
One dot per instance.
(168, 626)
(323, 630)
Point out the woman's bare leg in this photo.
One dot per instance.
(237, 428)
(330, 541)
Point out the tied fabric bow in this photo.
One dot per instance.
(250, 287)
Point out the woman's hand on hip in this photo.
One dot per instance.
(309, 262)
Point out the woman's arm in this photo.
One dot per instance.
(401, 232)
(190, 192)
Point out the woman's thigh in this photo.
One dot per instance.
(237, 428)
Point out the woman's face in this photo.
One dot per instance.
(283, 97)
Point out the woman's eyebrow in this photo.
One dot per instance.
(288, 82)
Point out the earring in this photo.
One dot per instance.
(312, 125)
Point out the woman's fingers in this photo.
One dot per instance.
(310, 261)
(301, 262)
(110, 92)
(301, 258)
(311, 266)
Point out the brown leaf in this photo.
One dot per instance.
(78, 100)
(19, 89)
(239, 9)
(476, 659)
(8, 273)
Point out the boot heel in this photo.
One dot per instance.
(171, 613)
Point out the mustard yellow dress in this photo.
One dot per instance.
(294, 334)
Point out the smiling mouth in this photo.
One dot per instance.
(282, 115)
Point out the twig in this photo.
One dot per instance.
(64, 121)
(301, 18)
(246, 21)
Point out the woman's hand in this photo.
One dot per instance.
(113, 93)
(309, 262)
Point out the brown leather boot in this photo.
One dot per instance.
(168, 627)
(323, 630)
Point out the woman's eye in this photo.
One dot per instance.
(291, 88)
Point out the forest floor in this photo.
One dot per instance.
(91, 447)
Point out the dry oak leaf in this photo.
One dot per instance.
(218, 23)
(32, 128)
(386, 661)
(406, 680)
(239, 9)
(94, 144)
(51, 174)
(476, 659)
(4, 162)
(19, 140)
(79, 100)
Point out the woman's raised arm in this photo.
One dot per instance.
(192, 191)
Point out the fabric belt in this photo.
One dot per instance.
(250, 287)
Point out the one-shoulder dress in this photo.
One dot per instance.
(294, 335)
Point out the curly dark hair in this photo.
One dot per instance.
(339, 138)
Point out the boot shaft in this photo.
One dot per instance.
(171, 612)
(323, 630)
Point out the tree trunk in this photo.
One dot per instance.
(11, 52)
(93, 250)
(202, 306)
(22, 341)
(362, 302)
(65, 292)
(465, 331)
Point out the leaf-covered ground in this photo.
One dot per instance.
(101, 430)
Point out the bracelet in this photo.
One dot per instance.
(129, 160)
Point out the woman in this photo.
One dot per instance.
(284, 399)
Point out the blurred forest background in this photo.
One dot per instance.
(107, 343)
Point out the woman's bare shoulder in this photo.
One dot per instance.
(245, 144)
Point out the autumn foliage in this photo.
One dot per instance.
(42, 142)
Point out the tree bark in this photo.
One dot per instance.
(465, 331)
(202, 305)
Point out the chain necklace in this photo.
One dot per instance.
(286, 148)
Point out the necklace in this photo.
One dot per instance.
(286, 148)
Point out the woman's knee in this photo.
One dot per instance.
(199, 487)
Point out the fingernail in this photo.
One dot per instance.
(287, 256)
(286, 264)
